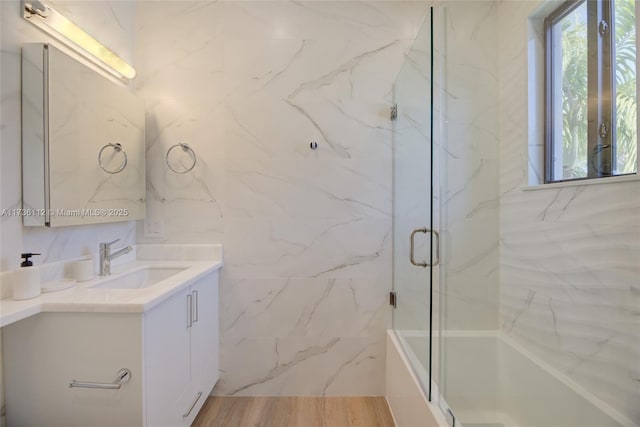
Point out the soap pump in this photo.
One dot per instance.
(27, 262)
(26, 281)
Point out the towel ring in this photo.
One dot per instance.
(185, 148)
(117, 147)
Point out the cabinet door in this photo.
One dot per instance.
(204, 334)
(43, 353)
(167, 360)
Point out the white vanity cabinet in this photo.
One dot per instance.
(182, 356)
(171, 351)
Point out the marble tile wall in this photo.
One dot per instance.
(570, 257)
(306, 234)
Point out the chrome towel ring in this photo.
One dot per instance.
(186, 149)
(117, 147)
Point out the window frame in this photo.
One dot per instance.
(601, 119)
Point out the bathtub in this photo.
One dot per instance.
(491, 381)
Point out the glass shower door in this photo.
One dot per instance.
(412, 207)
(467, 142)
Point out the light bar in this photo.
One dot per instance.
(54, 23)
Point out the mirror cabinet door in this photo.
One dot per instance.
(83, 143)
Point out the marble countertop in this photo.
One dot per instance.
(85, 298)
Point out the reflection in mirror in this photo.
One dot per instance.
(82, 143)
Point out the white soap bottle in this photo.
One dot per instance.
(26, 279)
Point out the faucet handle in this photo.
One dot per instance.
(110, 243)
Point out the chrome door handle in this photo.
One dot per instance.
(193, 405)
(121, 378)
(437, 260)
(189, 311)
(412, 245)
(195, 306)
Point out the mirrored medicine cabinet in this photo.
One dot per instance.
(82, 143)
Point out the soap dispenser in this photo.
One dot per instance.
(26, 280)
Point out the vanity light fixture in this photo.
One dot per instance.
(57, 25)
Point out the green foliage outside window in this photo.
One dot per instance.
(574, 90)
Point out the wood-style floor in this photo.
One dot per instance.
(294, 412)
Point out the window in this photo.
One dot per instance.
(591, 90)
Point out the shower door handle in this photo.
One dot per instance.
(436, 261)
(412, 245)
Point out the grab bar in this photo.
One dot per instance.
(123, 376)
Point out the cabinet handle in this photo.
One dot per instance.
(195, 304)
(193, 405)
(121, 378)
(189, 311)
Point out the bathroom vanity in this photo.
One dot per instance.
(65, 354)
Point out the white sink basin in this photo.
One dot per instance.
(140, 278)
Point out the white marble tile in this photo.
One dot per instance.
(179, 252)
(573, 263)
(323, 90)
(306, 233)
(605, 204)
(310, 188)
(292, 307)
(181, 81)
(329, 366)
(186, 222)
(176, 36)
(191, 203)
(177, 109)
(323, 20)
(569, 256)
(358, 248)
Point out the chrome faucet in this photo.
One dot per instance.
(106, 256)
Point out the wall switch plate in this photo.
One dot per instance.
(154, 228)
(153, 225)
